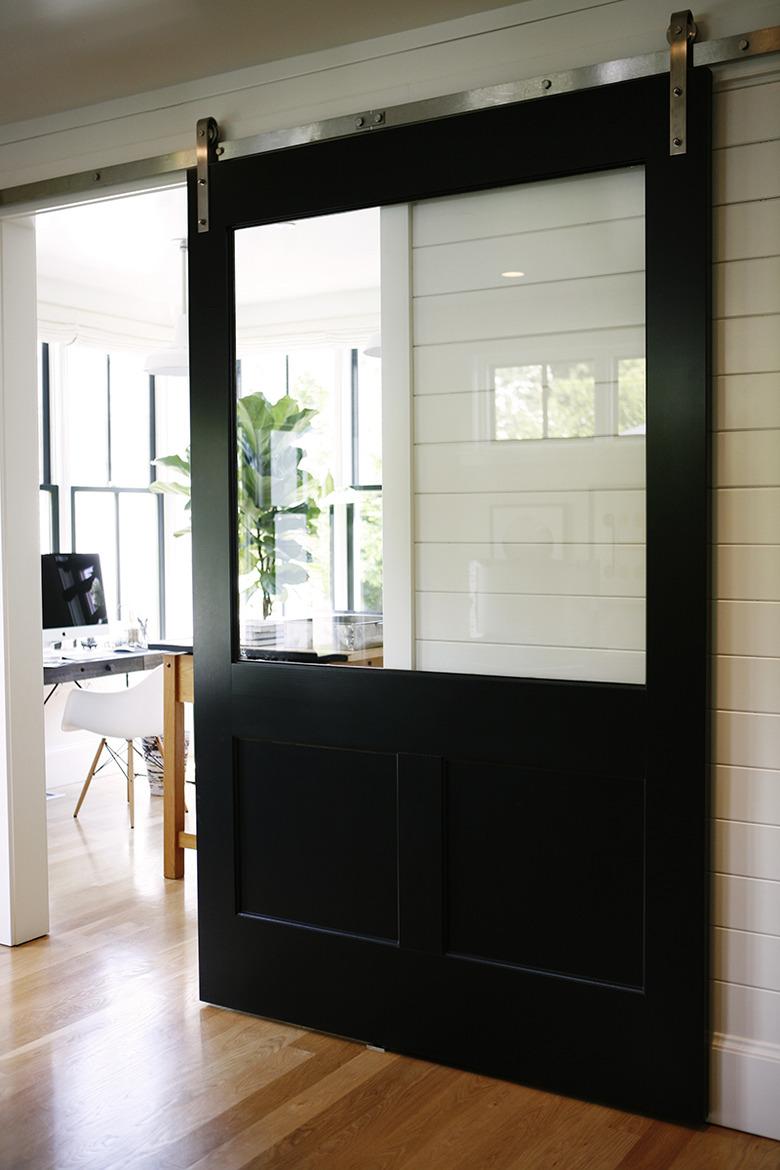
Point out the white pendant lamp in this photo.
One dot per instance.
(373, 347)
(174, 360)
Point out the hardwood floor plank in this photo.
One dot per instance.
(497, 1124)
(322, 1055)
(320, 1141)
(581, 1138)
(713, 1148)
(657, 1148)
(394, 1120)
(266, 1132)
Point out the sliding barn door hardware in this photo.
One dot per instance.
(684, 52)
(206, 148)
(680, 34)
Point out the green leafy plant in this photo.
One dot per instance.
(279, 502)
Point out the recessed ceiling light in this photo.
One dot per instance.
(511, 274)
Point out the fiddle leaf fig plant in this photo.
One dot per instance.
(279, 501)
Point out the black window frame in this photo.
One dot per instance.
(116, 490)
(46, 485)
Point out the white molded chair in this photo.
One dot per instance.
(130, 714)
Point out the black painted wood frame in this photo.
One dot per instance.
(437, 972)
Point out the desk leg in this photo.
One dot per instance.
(173, 773)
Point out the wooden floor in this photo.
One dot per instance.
(108, 1059)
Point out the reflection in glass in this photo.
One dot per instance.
(529, 472)
(309, 440)
(550, 401)
(631, 396)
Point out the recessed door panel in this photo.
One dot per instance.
(317, 838)
(575, 907)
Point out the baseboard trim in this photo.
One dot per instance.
(745, 1085)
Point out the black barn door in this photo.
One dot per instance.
(494, 858)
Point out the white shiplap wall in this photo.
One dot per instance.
(746, 557)
(529, 551)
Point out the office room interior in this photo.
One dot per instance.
(390, 586)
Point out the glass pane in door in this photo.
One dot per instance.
(529, 430)
(309, 440)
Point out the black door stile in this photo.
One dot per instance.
(450, 922)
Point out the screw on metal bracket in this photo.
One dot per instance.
(681, 34)
(744, 44)
(206, 138)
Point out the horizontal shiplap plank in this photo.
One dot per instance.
(746, 850)
(600, 569)
(531, 207)
(546, 464)
(567, 252)
(746, 904)
(454, 418)
(584, 665)
(748, 739)
(742, 230)
(600, 623)
(741, 173)
(471, 417)
(576, 517)
(746, 794)
(746, 458)
(747, 572)
(742, 288)
(746, 345)
(598, 302)
(749, 114)
(746, 515)
(749, 1012)
(747, 628)
(461, 366)
(752, 960)
(747, 401)
(746, 684)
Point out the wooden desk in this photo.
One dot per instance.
(178, 691)
(99, 665)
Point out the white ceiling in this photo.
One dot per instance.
(308, 258)
(61, 54)
(122, 256)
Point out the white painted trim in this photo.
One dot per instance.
(745, 1085)
(397, 439)
(24, 895)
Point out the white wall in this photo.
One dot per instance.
(746, 755)
(23, 869)
(525, 40)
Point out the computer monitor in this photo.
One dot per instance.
(73, 594)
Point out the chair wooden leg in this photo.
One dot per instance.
(131, 782)
(88, 781)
